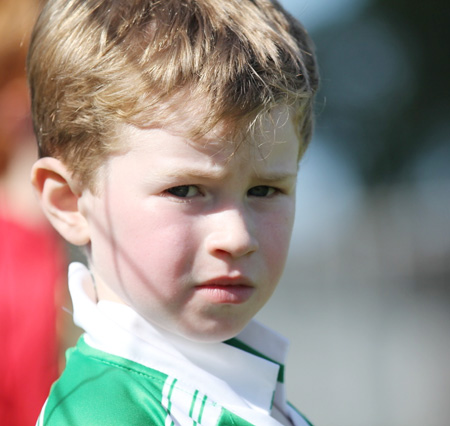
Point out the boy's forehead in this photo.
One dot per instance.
(225, 139)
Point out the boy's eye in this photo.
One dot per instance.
(184, 191)
(261, 191)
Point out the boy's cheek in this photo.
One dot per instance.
(276, 242)
(143, 239)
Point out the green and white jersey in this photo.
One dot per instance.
(124, 371)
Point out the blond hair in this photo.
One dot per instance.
(95, 63)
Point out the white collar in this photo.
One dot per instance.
(237, 379)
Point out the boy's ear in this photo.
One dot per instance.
(58, 193)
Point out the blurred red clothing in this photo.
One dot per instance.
(31, 268)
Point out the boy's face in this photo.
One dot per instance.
(193, 237)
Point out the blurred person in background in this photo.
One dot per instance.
(31, 257)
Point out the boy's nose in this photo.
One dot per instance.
(230, 234)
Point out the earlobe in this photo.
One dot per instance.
(58, 195)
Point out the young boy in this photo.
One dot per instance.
(169, 135)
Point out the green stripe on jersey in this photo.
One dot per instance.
(202, 408)
(191, 411)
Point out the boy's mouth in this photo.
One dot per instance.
(226, 290)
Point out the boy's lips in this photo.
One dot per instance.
(226, 290)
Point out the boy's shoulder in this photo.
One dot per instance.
(98, 388)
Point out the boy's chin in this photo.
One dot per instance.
(212, 335)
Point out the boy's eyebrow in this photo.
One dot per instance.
(191, 173)
(212, 174)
